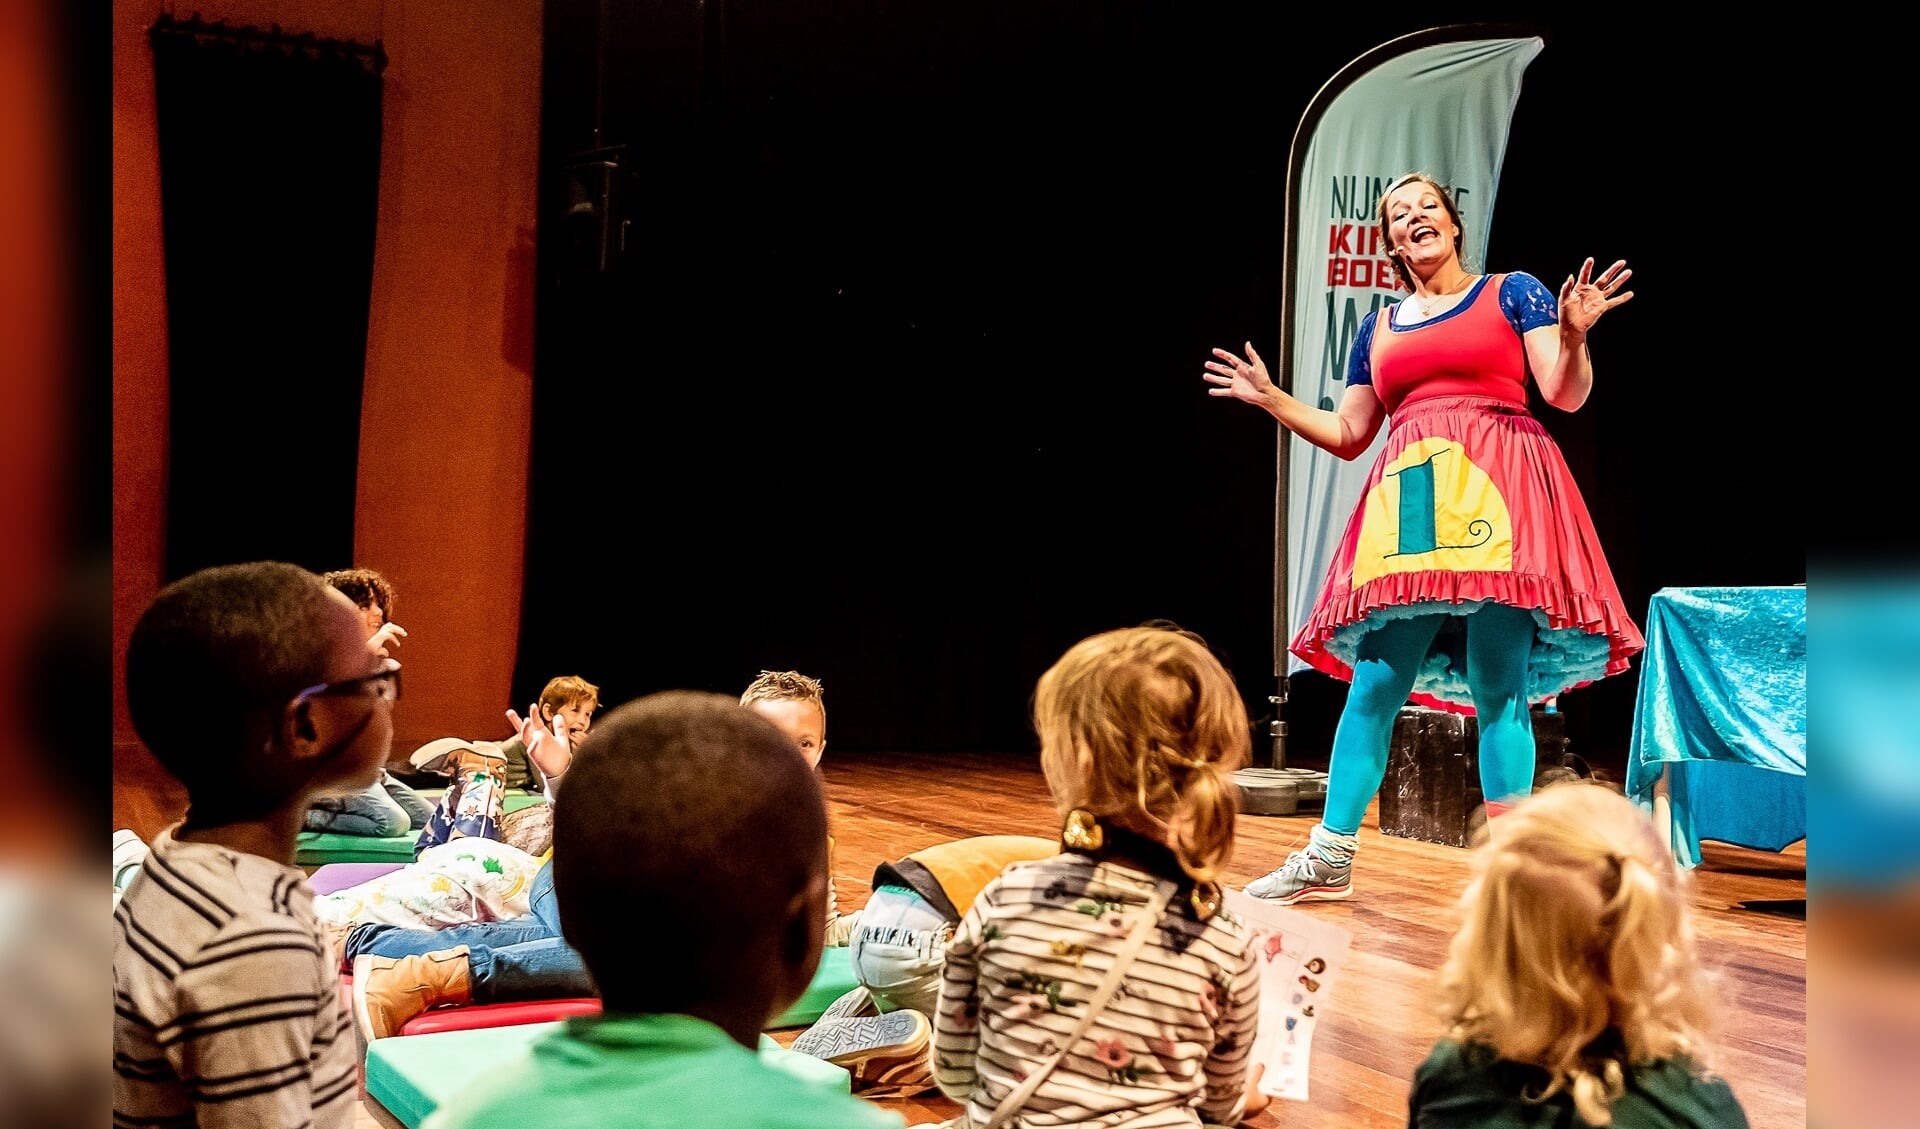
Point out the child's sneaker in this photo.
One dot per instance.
(854, 1004)
(390, 991)
(447, 756)
(128, 853)
(1305, 876)
(436, 756)
(886, 1054)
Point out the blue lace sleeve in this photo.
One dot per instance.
(1360, 361)
(1528, 303)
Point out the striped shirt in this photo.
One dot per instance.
(225, 998)
(1172, 1046)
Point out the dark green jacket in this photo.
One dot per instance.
(1468, 1087)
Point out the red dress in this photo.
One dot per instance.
(1470, 501)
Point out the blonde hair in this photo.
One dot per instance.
(1143, 726)
(785, 686)
(570, 690)
(1577, 920)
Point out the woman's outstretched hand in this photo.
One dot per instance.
(1243, 380)
(1585, 298)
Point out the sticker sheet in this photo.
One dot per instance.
(1300, 957)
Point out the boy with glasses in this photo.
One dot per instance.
(254, 686)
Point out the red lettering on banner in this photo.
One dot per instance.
(1355, 239)
(1374, 274)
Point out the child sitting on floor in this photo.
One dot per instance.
(489, 878)
(879, 1032)
(253, 685)
(400, 973)
(1572, 990)
(482, 771)
(374, 595)
(702, 812)
(798, 705)
(1140, 730)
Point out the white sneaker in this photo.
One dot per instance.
(437, 755)
(128, 854)
(1305, 877)
(887, 1055)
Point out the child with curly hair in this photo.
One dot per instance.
(1573, 991)
(1106, 985)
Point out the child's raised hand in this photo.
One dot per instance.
(548, 750)
(388, 633)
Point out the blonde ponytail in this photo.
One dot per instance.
(1202, 823)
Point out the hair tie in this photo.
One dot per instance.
(1206, 899)
(1082, 832)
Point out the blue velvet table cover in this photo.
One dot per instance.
(1722, 708)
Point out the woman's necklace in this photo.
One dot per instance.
(1427, 304)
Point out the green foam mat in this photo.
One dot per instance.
(317, 848)
(413, 1075)
(833, 979)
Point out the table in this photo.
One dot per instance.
(1720, 725)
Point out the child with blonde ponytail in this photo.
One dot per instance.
(1572, 989)
(1105, 985)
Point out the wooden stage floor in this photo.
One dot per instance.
(1376, 1030)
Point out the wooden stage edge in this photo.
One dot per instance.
(1377, 1028)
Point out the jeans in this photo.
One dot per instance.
(898, 950)
(385, 809)
(522, 959)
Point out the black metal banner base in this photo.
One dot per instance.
(1280, 791)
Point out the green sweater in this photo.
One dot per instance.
(1468, 1087)
(659, 1072)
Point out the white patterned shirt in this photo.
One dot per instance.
(1172, 1046)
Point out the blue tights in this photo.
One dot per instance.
(1499, 641)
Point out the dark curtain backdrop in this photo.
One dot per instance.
(269, 173)
(898, 380)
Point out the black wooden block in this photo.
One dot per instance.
(1432, 787)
